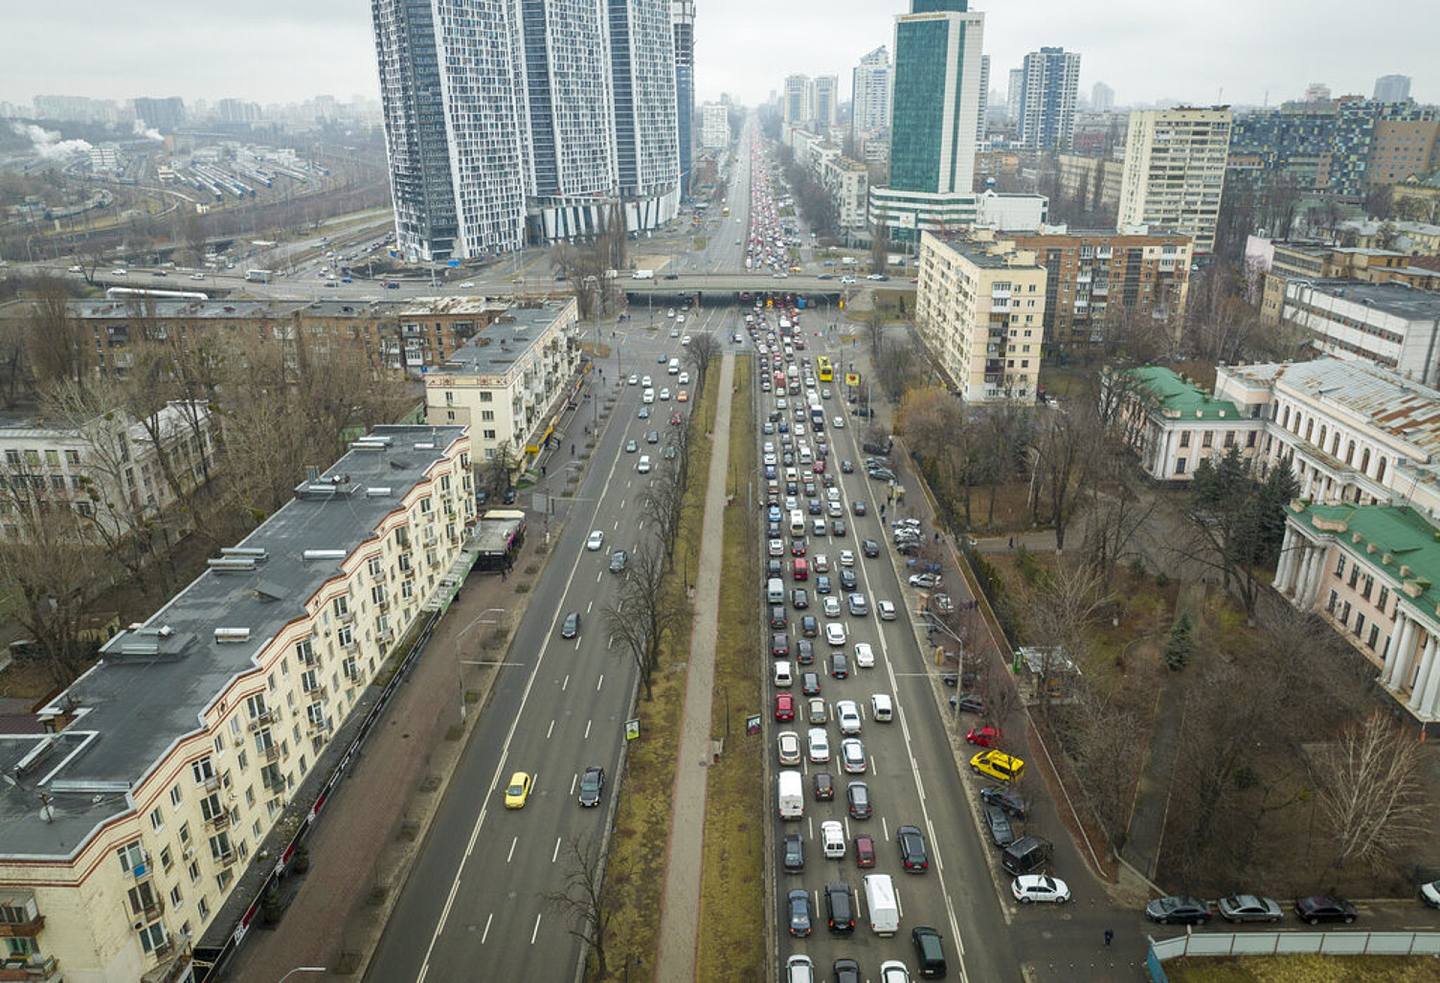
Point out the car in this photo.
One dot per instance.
(804, 651)
(838, 528)
(793, 851)
(839, 666)
(596, 540)
(1249, 908)
(857, 800)
(847, 558)
(847, 715)
(847, 466)
(839, 909)
(787, 746)
(684, 379)
(592, 786)
(835, 633)
(661, 360)
(831, 607)
(652, 436)
(517, 793)
(1178, 910)
(643, 413)
(1430, 894)
(817, 711)
(810, 684)
(776, 547)
(864, 850)
(1002, 834)
(852, 756)
(665, 395)
(784, 707)
(571, 627)
(1029, 888)
(858, 506)
(683, 396)
(798, 546)
(822, 784)
(642, 466)
(645, 382)
(809, 626)
(845, 971)
(1319, 908)
(197, 276)
(631, 446)
(913, 855)
(800, 969)
(1008, 799)
(822, 563)
(986, 736)
(819, 743)
(997, 764)
(847, 579)
(799, 599)
(859, 607)
(797, 905)
(822, 584)
(885, 610)
(967, 703)
(894, 971)
(870, 548)
(618, 560)
(676, 418)
(924, 581)
(864, 656)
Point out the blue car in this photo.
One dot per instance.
(773, 514)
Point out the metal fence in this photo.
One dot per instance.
(1336, 943)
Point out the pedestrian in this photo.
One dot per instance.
(542, 470)
(572, 450)
(502, 573)
(1109, 936)
(1012, 542)
(937, 537)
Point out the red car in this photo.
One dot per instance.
(797, 547)
(819, 466)
(984, 736)
(784, 706)
(864, 851)
(676, 419)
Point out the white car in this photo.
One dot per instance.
(467, 285)
(1039, 887)
(670, 312)
(835, 634)
(847, 715)
(819, 745)
(801, 969)
(634, 379)
(769, 460)
(647, 397)
(822, 563)
(642, 466)
(596, 540)
(864, 655)
(847, 280)
(685, 342)
(832, 839)
(776, 547)
(852, 756)
(197, 276)
(645, 381)
(838, 423)
(783, 677)
(832, 606)
(836, 510)
(664, 395)
(925, 581)
(847, 559)
(886, 610)
(832, 494)
(119, 273)
(787, 746)
(684, 378)
(679, 318)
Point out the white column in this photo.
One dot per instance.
(1430, 702)
(1402, 655)
(1287, 560)
(1427, 672)
(1313, 576)
(1302, 573)
(1392, 651)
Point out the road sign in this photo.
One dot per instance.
(752, 724)
(632, 730)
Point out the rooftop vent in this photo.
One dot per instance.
(225, 564)
(232, 634)
(425, 447)
(309, 555)
(378, 492)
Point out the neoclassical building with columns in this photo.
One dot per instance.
(1372, 572)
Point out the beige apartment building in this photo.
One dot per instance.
(1174, 171)
(154, 779)
(980, 313)
(511, 382)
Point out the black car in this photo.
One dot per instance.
(857, 799)
(870, 548)
(777, 616)
(846, 970)
(999, 824)
(774, 567)
(839, 910)
(912, 849)
(509, 497)
(798, 907)
(794, 852)
(839, 666)
(813, 507)
(618, 560)
(804, 651)
(809, 627)
(571, 627)
(592, 784)
(968, 703)
(823, 784)
(858, 506)
(822, 584)
(1179, 910)
(881, 474)
(799, 598)
(908, 549)
(847, 578)
(772, 530)
(1322, 908)
(810, 684)
(837, 528)
(847, 466)
(652, 436)
(1008, 799)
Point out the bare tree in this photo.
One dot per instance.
(59, 349)
(937, 428)
(1061, 613)
(1101, 731)
(1063, 457)
(701, 353)
(879, 249)
(649, 606)
(583, 899)
(662, 503)
(1370, 788)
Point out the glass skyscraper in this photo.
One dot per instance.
(935, 104)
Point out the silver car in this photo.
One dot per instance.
(1249, 908)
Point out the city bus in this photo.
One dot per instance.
(823, 368)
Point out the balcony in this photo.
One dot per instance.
(226, 859)
(271, 752)
(219, 821)
(348, 618)
(27, 929)
(30, 969)
(316, 692)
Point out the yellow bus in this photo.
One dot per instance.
(823, 368)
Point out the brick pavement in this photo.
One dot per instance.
(680, 905)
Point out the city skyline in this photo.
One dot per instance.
(267, 57)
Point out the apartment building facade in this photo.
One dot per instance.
(1094, 180)
(509, 384)
(1049, 89)
(980, 314)
(1389, 324)
(1093, 279)
(714, 126)
(870, 94)
(1174, 171)
(846, 181)
(167, 764)
(1280, 262)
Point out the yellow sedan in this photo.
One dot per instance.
(517, 793)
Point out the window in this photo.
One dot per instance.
(270, 778)
(1374, 637)
(176, 796)
(157, 819)
(315, 713)
(175, 896)
(377, 594)
(1180, 465)
(342, 606)
(489, 434)
(1354, 575)
(132, 858)
(1332, 601)
(152, 936)
(1229, 439)
(345, 636)
(141, 898)
(1345, 613)
(1384, 598)
(167, 859)
(211, 808)
(1207, 439)
(255, 704)
(1250, 439)
(220, 846)
(1369, 585)
(203, 770)
(193, 870)
(1184, 438)
(487, 416)
(184, 833)
(1340, 566)
(309, 681)
(407, 589)
(203, 907)
(375, 567)
(1359, 624)
(487, 397)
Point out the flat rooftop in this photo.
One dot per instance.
(153, 684)
(1395, 299)
(504, 341)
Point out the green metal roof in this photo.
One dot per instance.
(1180, 399)
(1398, 540)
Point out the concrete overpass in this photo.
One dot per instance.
(726, 287)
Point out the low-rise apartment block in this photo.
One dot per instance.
(1280, 261)
(980, 313)
(511, 382)
(129, 820)
(1093, 180)
(1389, 324)
(1094, 279)
(846, 181)
(116, 474)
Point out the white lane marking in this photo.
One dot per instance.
(557, 850)
(577, 643)
(599, 682)
(549, 730)
(589, 606)
(598, 575)
(884, 830)
(616, 526)
(511, 855)
(587, 729)
(536, 930)
(566, 684)
(486, 934)
(573, 779)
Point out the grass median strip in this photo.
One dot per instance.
(635, 871)
(1303, 969)
(732, 890)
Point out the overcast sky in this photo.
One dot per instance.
(287, 50)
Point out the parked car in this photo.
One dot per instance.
(924, 581)
(1008, 799)
(986, 736)
(1001, 833)
(1039, 887)
(1430, 894)
(1179, 910)
(1249, 908)
(1322, 908)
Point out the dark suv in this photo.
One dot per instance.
(780, 645)
(840, 912)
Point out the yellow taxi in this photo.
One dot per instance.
(517, 793)
(997, 764)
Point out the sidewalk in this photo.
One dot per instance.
(680, 904)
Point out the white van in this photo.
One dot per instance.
(797, 522)
(790, 795)
(880, 899)
(775, 591)
(674, 366)
(881, 709)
